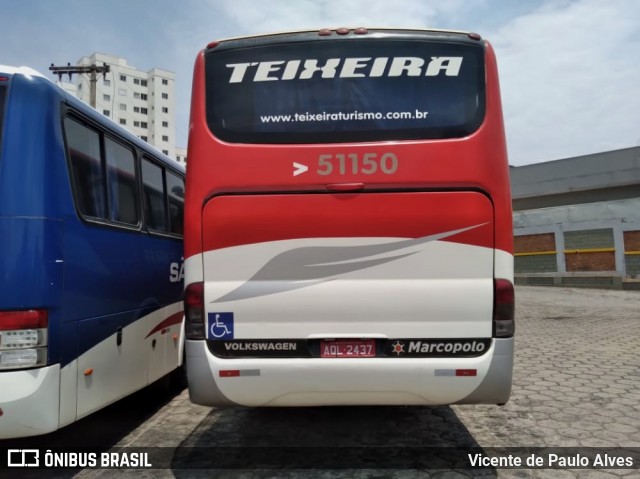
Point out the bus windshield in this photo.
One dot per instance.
(324, 91)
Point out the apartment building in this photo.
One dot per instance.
(181, 156)
(143, 102)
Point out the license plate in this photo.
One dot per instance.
(348, 348)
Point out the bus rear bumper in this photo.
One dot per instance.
(29, 402)
(353, 381)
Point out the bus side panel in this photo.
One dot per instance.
(113, 367)
(30, 401)
(119, 293)
(122, 362)
(32, 262)
(69, 374)
(110, 271)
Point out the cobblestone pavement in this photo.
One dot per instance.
(576, 384)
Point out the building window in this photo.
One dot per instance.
(144, 138)
(136, 81)
(143, 96)
(106, 112)
(106, 97)
(165, 138)
(136, 124)
(144, 111)
(122, 92)
(166, 152)
(165, 96)
(165, 124)
(123, 78)
(165, 109)
(143, 82)
(136, 109)
(123, 121)
(106, 82)
(165, 81)
(123, 106)
(136, 95)
(143, 124)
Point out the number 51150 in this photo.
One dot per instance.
(352, 163)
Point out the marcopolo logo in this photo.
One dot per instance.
(362, 67)
(440, 347)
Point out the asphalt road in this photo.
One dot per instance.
(576, 385)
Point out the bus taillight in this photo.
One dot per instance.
(503, 309)
(194, 311)
(23, 339)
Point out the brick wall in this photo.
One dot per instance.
(631, 240)
(535, 263)
(598, 261)
(577, 260)
(534, 243)
(590, 250)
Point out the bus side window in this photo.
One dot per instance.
(154, 196)
(175, 191)
(86, 166)
(121, 180)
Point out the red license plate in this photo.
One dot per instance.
(348, 348)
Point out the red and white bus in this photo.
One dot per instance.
(348, 234)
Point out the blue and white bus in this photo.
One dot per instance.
(91, 221)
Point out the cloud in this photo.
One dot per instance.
(569, 72)
(568, 75)
(570, 78)
(252, 17)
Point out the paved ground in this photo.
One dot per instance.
(576, 384)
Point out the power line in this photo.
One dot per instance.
(92, 70)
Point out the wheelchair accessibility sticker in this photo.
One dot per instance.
(220, 326)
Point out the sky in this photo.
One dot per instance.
(569, 69)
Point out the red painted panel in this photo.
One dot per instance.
(232, 220)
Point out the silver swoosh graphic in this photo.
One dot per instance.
(309, 265)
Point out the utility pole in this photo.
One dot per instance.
(92, 70)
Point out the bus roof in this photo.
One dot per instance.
(27, 71)
(349, 30)
(94, 114)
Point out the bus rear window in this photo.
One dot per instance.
(343, 91)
